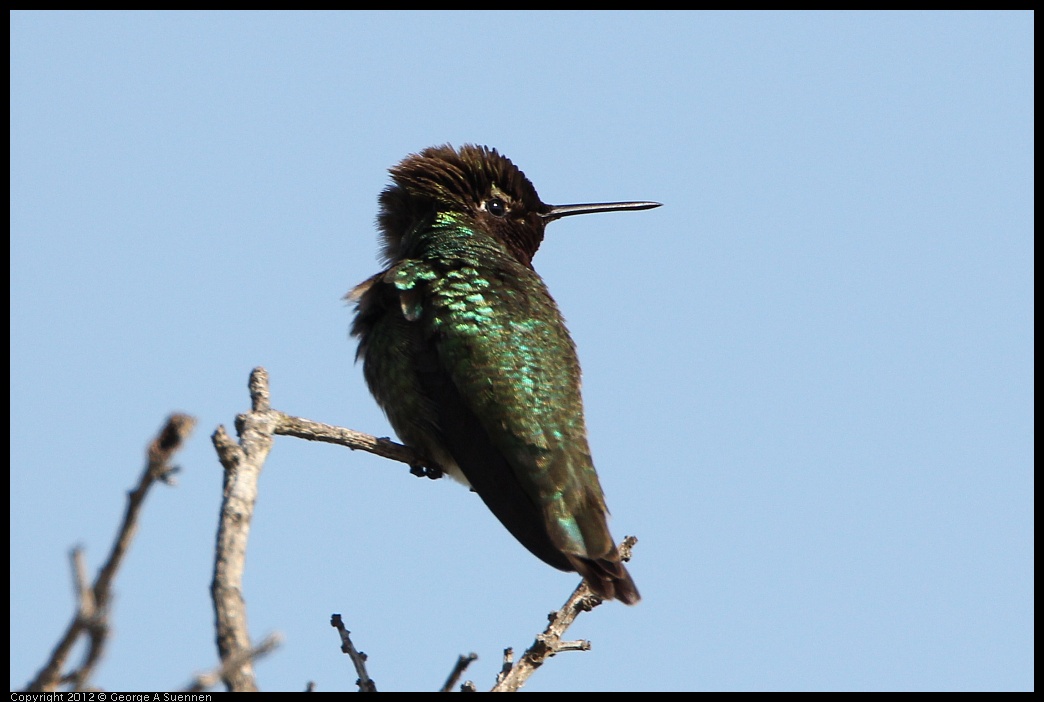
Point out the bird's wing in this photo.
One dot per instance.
(499, 365)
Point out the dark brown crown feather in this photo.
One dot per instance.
(442, 178)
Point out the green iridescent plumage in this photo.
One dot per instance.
(468, 354)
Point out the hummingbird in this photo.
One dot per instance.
(468, 355)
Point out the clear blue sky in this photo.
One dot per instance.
(808, 377)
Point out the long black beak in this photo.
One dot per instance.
(558, 211)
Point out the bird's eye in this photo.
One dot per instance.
(496, 207)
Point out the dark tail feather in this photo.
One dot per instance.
(608, 579)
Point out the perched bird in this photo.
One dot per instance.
(468, 355)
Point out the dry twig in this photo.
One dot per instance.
(207, 680)
(462, 664)
(243, 463)
(92, 616)
(365, 682)
(549, 642)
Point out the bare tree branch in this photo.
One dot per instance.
(207, 680)
(242, 463)
(365, 682)
(92, 616)
(549, 642)
(384, 447)
(462, 664)
(505, 664)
